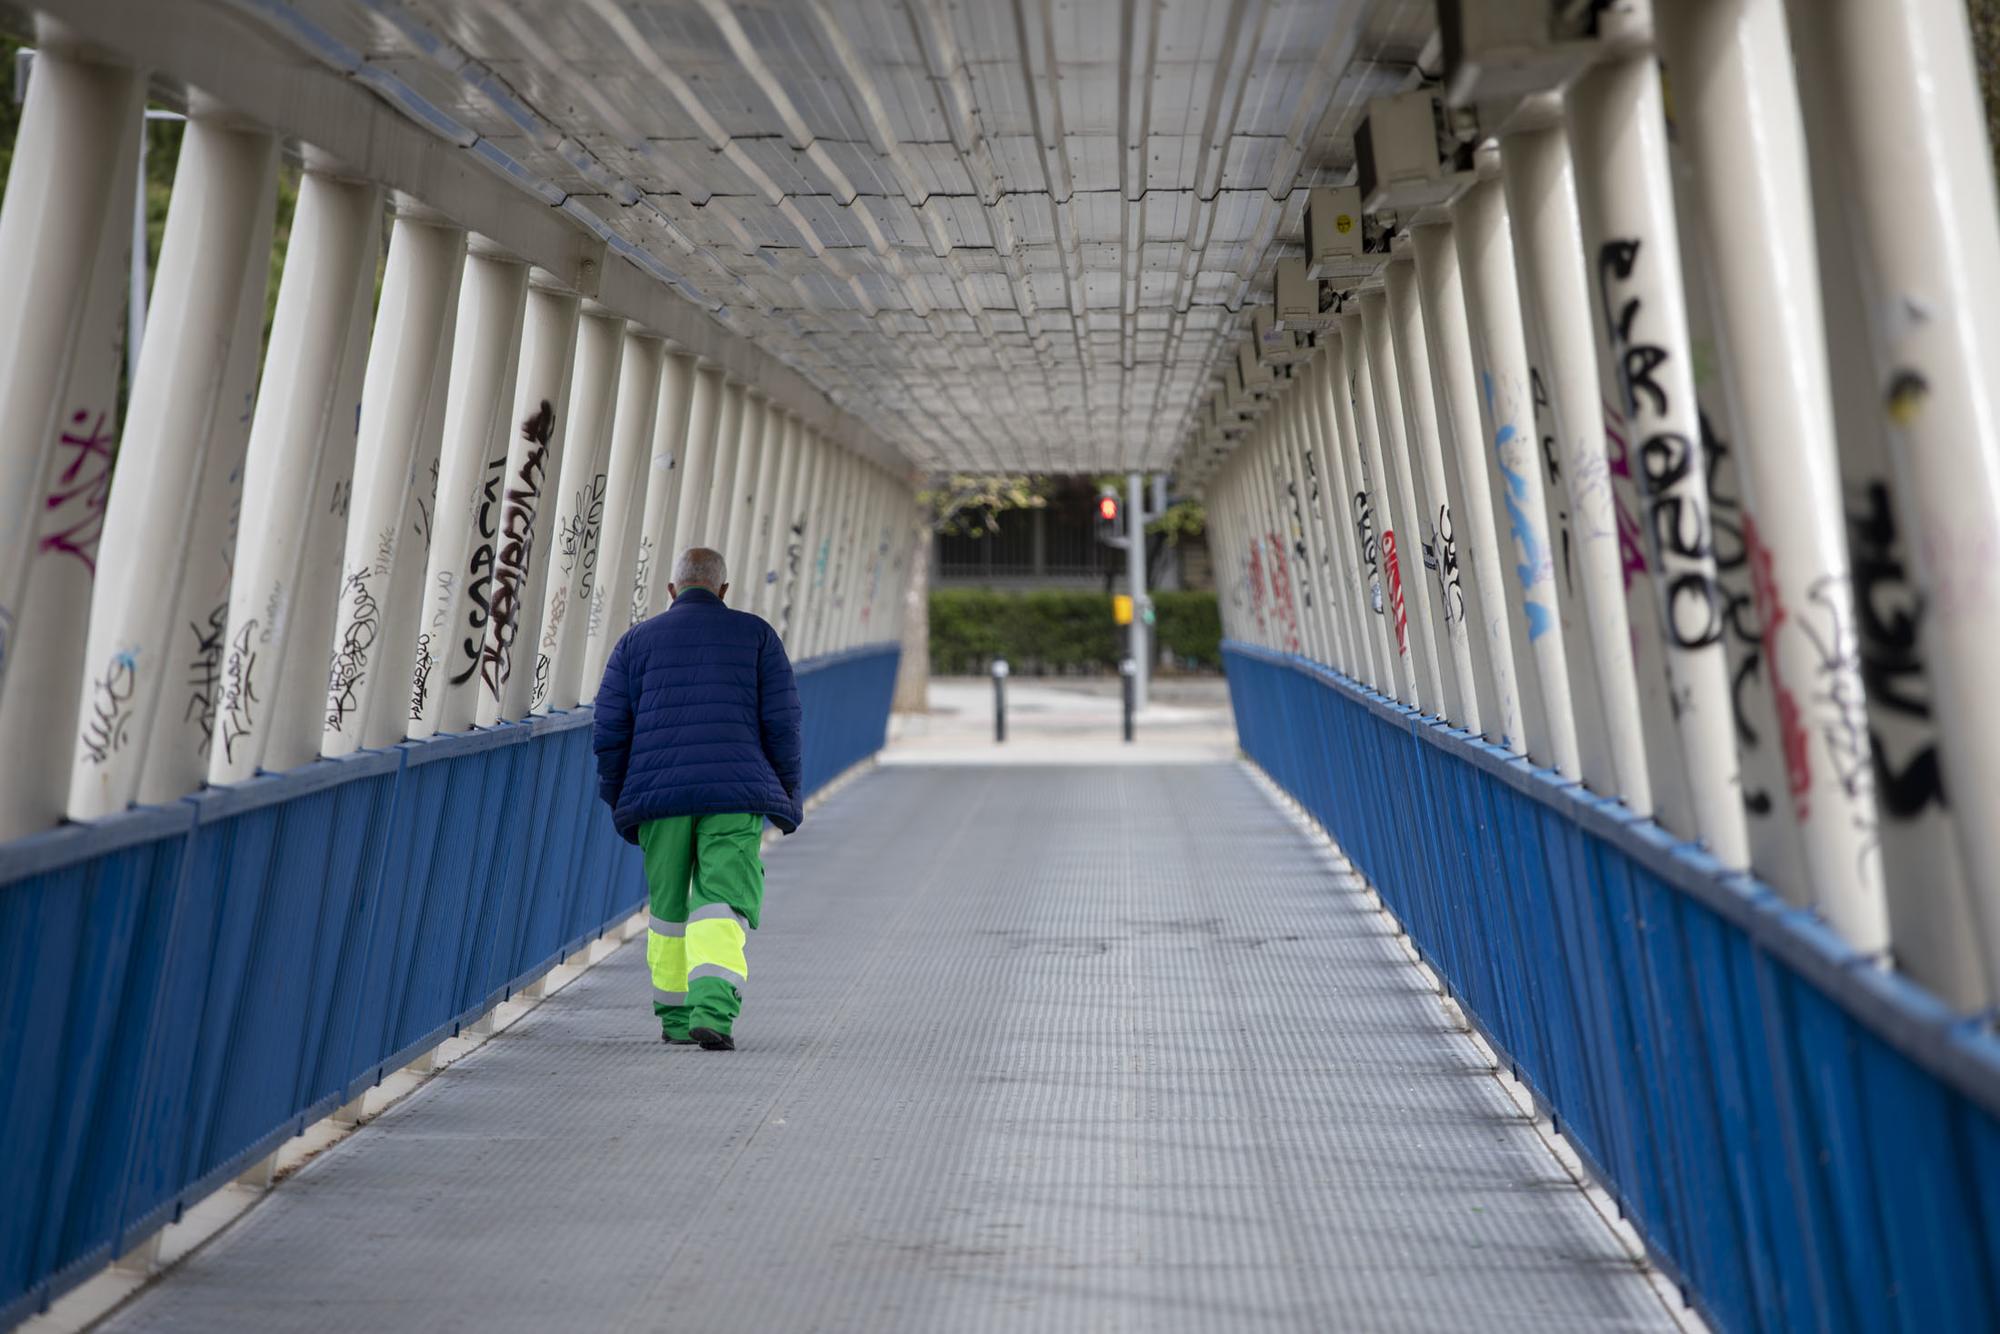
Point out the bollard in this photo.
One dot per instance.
(999, 700)
(1128, 669)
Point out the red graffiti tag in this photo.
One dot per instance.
(1281, 592)
(1395, 572)
(1791, 721)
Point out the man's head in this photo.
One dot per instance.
(699, 567)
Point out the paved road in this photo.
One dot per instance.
(999, 1072)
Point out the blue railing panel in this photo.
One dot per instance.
(184, 987)
(1805, 1140)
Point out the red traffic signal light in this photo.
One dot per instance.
(1107, 508)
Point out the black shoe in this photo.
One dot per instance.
(711, 1040)
(673, 1041)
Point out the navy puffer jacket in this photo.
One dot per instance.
(698, 715)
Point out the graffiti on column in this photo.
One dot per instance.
(576, 564)
(642, 582)
(1364, 533)
(362, 617)
(593, 540)
(107, 723)
(1532, 564)
(204, 679)
(237, 712)
(516, 553)
(426, 507)
(1299, 549)
(1449, 588)
(1281, 591)
(1394, 570)
(1558, 494)
(1618, 464)
(479, 575)
(1312, 499)
(74, 507)
(1677, 520)
(1745, 633)
(794, 557)
(1891, 614)
(1257, 578)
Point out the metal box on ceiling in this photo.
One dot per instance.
(1250, 367)
(1498, 51)
(1276, 345)
(1406, 154)
(1299, 302)
(1334, 233)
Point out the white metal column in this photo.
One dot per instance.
(1618, 132)
(1942, 933)
(1548, 248)
(761, 509)
(1463, 444)
(159, 612)
(776, 526)
(733, 509)
(1739, 124)
(698, 470)
(653, 566)
(526, 548)
(1376, 520)
(457, 594)
(65, 225)
(574, 540)
(413, 330)
(1493, 316)
(1402, 512)
(1314, 487)
(626, 499)
(801, 535)
(737, 402)
(297, 473)
(1310, 545)
(1338, 513)
(1413, 365)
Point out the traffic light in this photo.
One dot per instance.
(1110, 528)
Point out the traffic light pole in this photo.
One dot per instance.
(1135, 575)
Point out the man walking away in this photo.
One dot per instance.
(697, 742)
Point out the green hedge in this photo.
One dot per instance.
(1061, 631)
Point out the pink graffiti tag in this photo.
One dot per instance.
(81, 490)
(1791, 719)
(1281, 592)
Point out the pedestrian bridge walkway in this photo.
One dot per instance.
(1158, 1064)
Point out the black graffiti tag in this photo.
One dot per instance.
(515, 554)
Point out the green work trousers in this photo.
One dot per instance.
(705, 874)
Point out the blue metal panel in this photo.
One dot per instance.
(184, 987)
(1805, 1140)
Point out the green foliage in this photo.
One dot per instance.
(1061, 631)
(1183, 519)
(1189, 625)
(968, 504)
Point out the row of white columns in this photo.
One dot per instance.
(1675, 466)
(421, 515)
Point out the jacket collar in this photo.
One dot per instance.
(696, 597)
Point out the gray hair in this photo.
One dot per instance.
(699, 567)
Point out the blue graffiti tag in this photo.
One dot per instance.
(1539, 619)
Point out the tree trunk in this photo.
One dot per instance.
(913, 675)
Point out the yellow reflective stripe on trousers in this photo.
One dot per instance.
(715, 949)
(666, 959)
